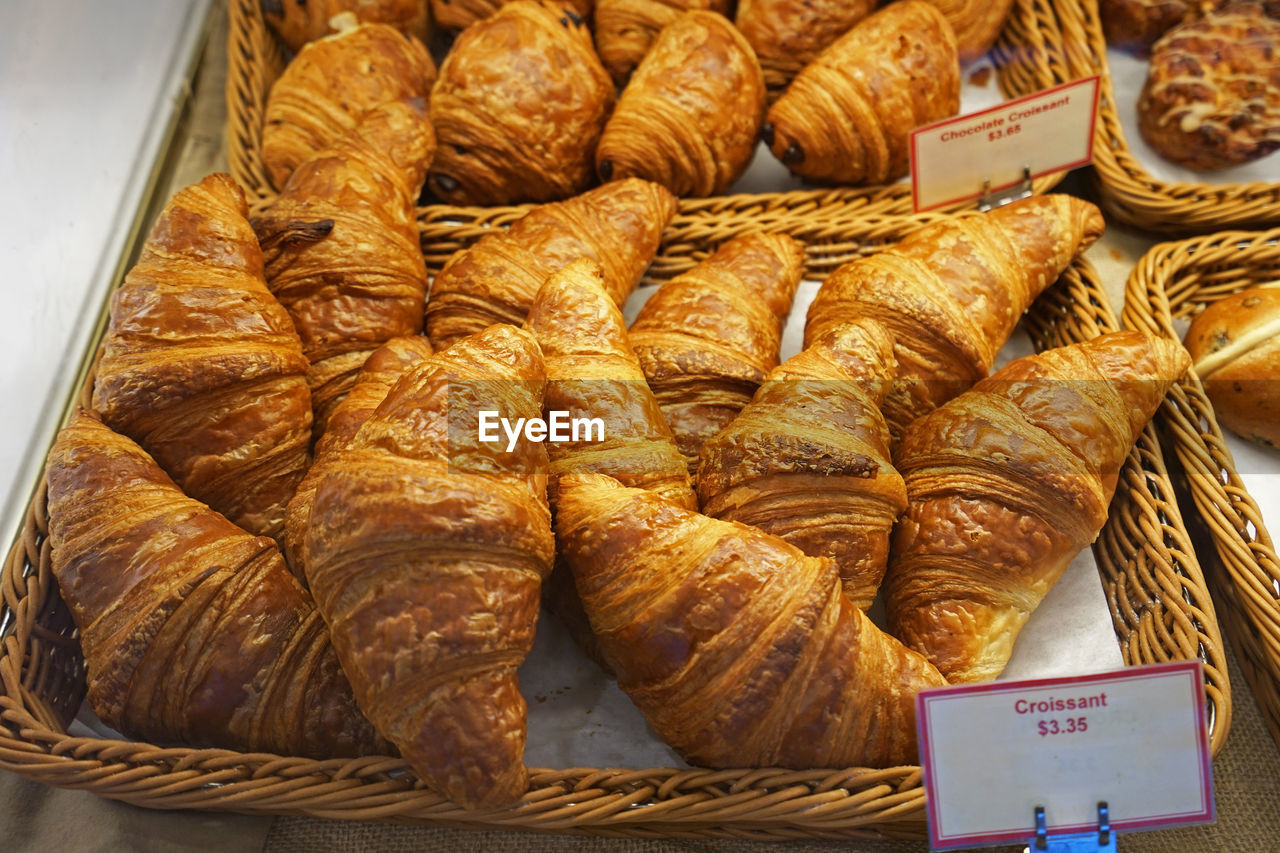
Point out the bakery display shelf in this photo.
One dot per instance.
(1160, 611)
(1029, 56)
(1127, 191)
(1172, 283)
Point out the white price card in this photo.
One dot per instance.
(991, 150)
(1134, 738)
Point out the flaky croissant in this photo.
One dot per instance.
(952, 292)
(379, 373)
(457, 15)
(690, 116)
(617, 225)
(325, 90)
(201, 365)
(808, 459)
(300, 21)
(426, 549)
(193, 631)
(707, 338)
(740, 650)
(341, 247)
(625, 29)
(847, 117)
(789, 34)
(1006, 484)
(521, 101)
(976, 23)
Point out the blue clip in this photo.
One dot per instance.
(1102, 841)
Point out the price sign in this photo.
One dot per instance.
(993, 149)
(1135, 738)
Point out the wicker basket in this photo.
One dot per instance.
(1030, 57)
(1125, 189)
(1176, 280)
(1160, 609)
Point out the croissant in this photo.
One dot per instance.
(202, 367)
(300, 21)
(494, 281)
(341, 247)
(626, 28)
(1006, 484)
(708, 337)
(847, 116)
(952, 292)
(325, 90)
(426, 549)
(376, 377)
(456, 15)
(690, 116)
(789, 34)
(193, 631)
(739, 650)
(808, 459)
(976, 24)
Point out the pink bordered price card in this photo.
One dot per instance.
(985, 152)
(1135, 739)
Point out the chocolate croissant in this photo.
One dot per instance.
(521, 101)
(847, 116)
(202, 366)
(789, 34)
(707, 338)
(807, 460)
(617, 225)
(740, 650)
(1006, 484)
(690, 116)
(426, 549)
(300, 21)
(952, 292)
(976, 24)
(625, 29)
(457, 15)
(193, 631)
(326, 89)
(341, 247)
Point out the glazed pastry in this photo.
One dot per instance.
(518, 108)
(808, 459)
(976, 24)
(494, 281)
(1235, 345)
(626, 28)
(456, 15)
(201, 365)
(1006, 484)
(848, 115)
(300, 21)
(342, 251)
(740, 650)
(193, 631)
(707, 338)
(691, 114)
(326, 89)
(379, 373)
(1136, 24)
(426, 550)
(1212, 95)
(789, 34)
(952, 292)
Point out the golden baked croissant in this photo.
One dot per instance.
(341, 247)
(379, 373)
(518, 108)
(494, 281)
(1006, 484)
(808, 459)
(201, 365)
(976, 23)
(789, 34)
(457, 15)
(740, 650)
(847, 117)
(325, 90)
(426, 550)
(709, 336)
(690, 116)
(193, 631)
(626, 28)
(300, 21)
(952, 292)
